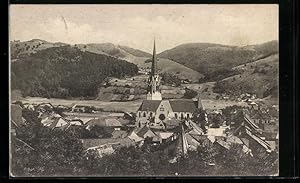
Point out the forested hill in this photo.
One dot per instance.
(66, 71)
(208, 58)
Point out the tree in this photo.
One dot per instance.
(216, 121)
(199, 118)
(190, 93)
(38, 150)
(99, 131)
(62, 154)
(233, 114)
(233, 161)
(171, 79)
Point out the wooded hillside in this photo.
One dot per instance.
(66, 71)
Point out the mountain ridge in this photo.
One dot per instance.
(210, 57)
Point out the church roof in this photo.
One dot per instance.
(183, 105)
(149, 105)
(176, 105)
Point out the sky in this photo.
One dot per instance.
(137, 25)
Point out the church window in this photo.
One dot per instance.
(144, 115)
(140, 114)
(162, 117)
(176, 116)
(151, 114)
(182, 116)
(188, 115)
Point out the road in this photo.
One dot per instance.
(130, 106)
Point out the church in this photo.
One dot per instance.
(154, 111)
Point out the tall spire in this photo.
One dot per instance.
(154, 61)
(154, 79)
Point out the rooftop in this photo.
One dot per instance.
(177, 105)
(87, 143)
(183, 105)
(149, 105)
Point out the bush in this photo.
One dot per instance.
(171, 79)
(189, 94)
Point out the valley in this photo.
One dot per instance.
(213, 70)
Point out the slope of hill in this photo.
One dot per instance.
(208, 58)
(135, 52)
(171, 67)
(139, 57)
(66, 72)
(260, 77)
(103, 48)
(113, 50)
(22, 49)
(181, 71)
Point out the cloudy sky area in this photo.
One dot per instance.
(137, 25)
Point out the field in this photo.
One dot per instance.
(130, 106)
(204, 88)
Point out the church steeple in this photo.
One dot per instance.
(154, 61)
(154, 79)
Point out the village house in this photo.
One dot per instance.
(111, 123)
(54, 120)
(146, 132)
(44, 107)
(172, 124)
(260, 117)
(134, 137)
(163, 136)
(252, 137)
(105, 146)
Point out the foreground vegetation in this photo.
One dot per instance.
(39, 151)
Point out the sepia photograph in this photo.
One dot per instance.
(141, 90)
